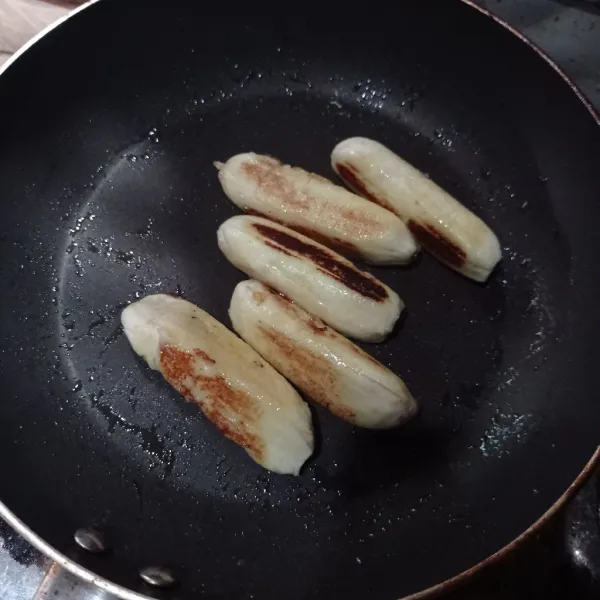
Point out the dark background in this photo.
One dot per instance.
(563, 561)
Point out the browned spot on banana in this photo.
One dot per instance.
(178, 369)
(353, 278)
(312, 373)
(350, 175)
(438, 244)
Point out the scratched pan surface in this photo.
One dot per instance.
(108, 193)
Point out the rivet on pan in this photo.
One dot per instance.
(89, 539)
(158, 577)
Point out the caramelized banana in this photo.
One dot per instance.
(317, 360)
(315, 206)
(451, 232)
(317, 278)
(250, 402)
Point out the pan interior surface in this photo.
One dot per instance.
(108, 193)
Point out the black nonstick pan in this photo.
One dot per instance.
(109, 127)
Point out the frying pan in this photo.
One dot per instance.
(109, 128)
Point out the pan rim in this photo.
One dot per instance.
(124, 593)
